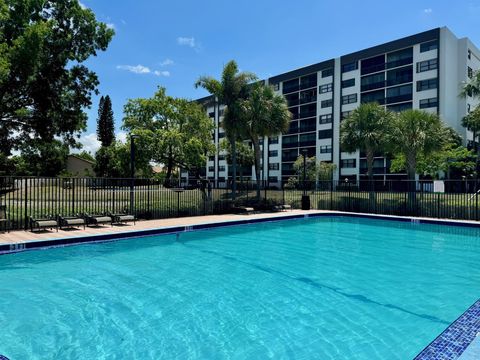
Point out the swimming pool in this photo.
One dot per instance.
(323, 288)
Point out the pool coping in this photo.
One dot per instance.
(448, 345)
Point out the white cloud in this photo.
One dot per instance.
(428, 11)
(186, 41)
(82, 5)
(166, 62)
(138, 69)
(111, 26)
(89, 143)
(121, 136)
(162, 73)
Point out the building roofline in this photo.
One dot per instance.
(81, 158)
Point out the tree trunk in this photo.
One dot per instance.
(477, 160)
(234, 169)
(256, 150)
(411, 160)
(370, 158)
(168, 176)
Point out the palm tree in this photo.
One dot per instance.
(472, 123)
(366, 130)
(416, 133)
(232, 87)
(264, 113)
(472, 87)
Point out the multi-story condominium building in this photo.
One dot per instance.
(423, 71)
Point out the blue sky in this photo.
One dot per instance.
(172, 43)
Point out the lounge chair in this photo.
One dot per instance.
(283, 207)
(123, 218)
(71, 221)
(98, 219)
(243, 209)
(4, 219)
(47, 222)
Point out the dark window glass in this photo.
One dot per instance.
(399, 94)
(308, 81)
(374, 96)
(372, 65)
(349, 99)
(307, 139)
(326, 103)
(325, 149)
(399, 58)
(211, 168)
(211, 114)
(348, 163)
(308, 125)
(372, 82)
(348, 83)
(308, 110)
(273, 140)
(431, 45)
(276, 86)
(293, 129)
(273, 153)
(274, 166)
(273, 179)
(325, 119)
(327, 72)
(292, 99)
(221, 168)
(290, 86)
(400, 76)
(289, 155)
(211, 158)
(427, 84)
(349, 66)
(469, 72)
(345, 114)
(427, 65)
(308, 96)
(294, 111)
(290, 141)
(221, 157)
(400, 107)
(221, 135)
(469, 54)
(428, 103)
(325, 134)
(325, 88)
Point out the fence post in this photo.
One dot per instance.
(476, 201)
(331, 195)
(73, 196)
(26, 204)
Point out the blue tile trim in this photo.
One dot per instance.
(455, 339)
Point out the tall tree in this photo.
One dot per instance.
(176, 131)
(263, 113)
(232, 87)
(105, 122)
(245, 155)
(44, 83)
(366, 130)
(472, 123)
(416, 134)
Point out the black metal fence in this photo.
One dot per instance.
(26, 197)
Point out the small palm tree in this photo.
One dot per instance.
(366, 130)
(472, 123)
(232, 87)
(472, 87)
(416, 133)
(264, 113)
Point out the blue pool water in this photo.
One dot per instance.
(326, 288)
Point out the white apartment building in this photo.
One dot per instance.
(423, 71)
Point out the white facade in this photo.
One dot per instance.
(424, 71)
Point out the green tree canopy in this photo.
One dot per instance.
(176, 131)
(229, 90)
(245, 155)
(105, 122)
(314, 171)
(44, 83)
(263, 113)
(366, 129)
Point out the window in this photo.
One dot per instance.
(211, 114)
(400, 107)
(469, 72)
(273, 140)
(427, 84)
(372, 82)
(325, 119)
(469, 54)
(221, 135)
(345, 114)
(349, 99)
(325, 149)
(308, 110)
(326, 103)
(349, 67)
(426, 65)
(211, 158)
(400, 76)
(292, 99)
(399, 58)
(221, 157)
(290, 141)
(276, 86)
(273, 153)
(308, 125)
(221, 168)
(373, 96)
(289, 155)
(325, 88)
(307, 139)
(428, 103)
(308, 81)
(325, 134)
(327, 72)
(274, 166)
(372, 65)
(468, 108)
(273, 179)
(399, 93)
(211, 168)
(308, 96)
(348, 83)
(431, 45)
(290, 86)
(348, 163)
